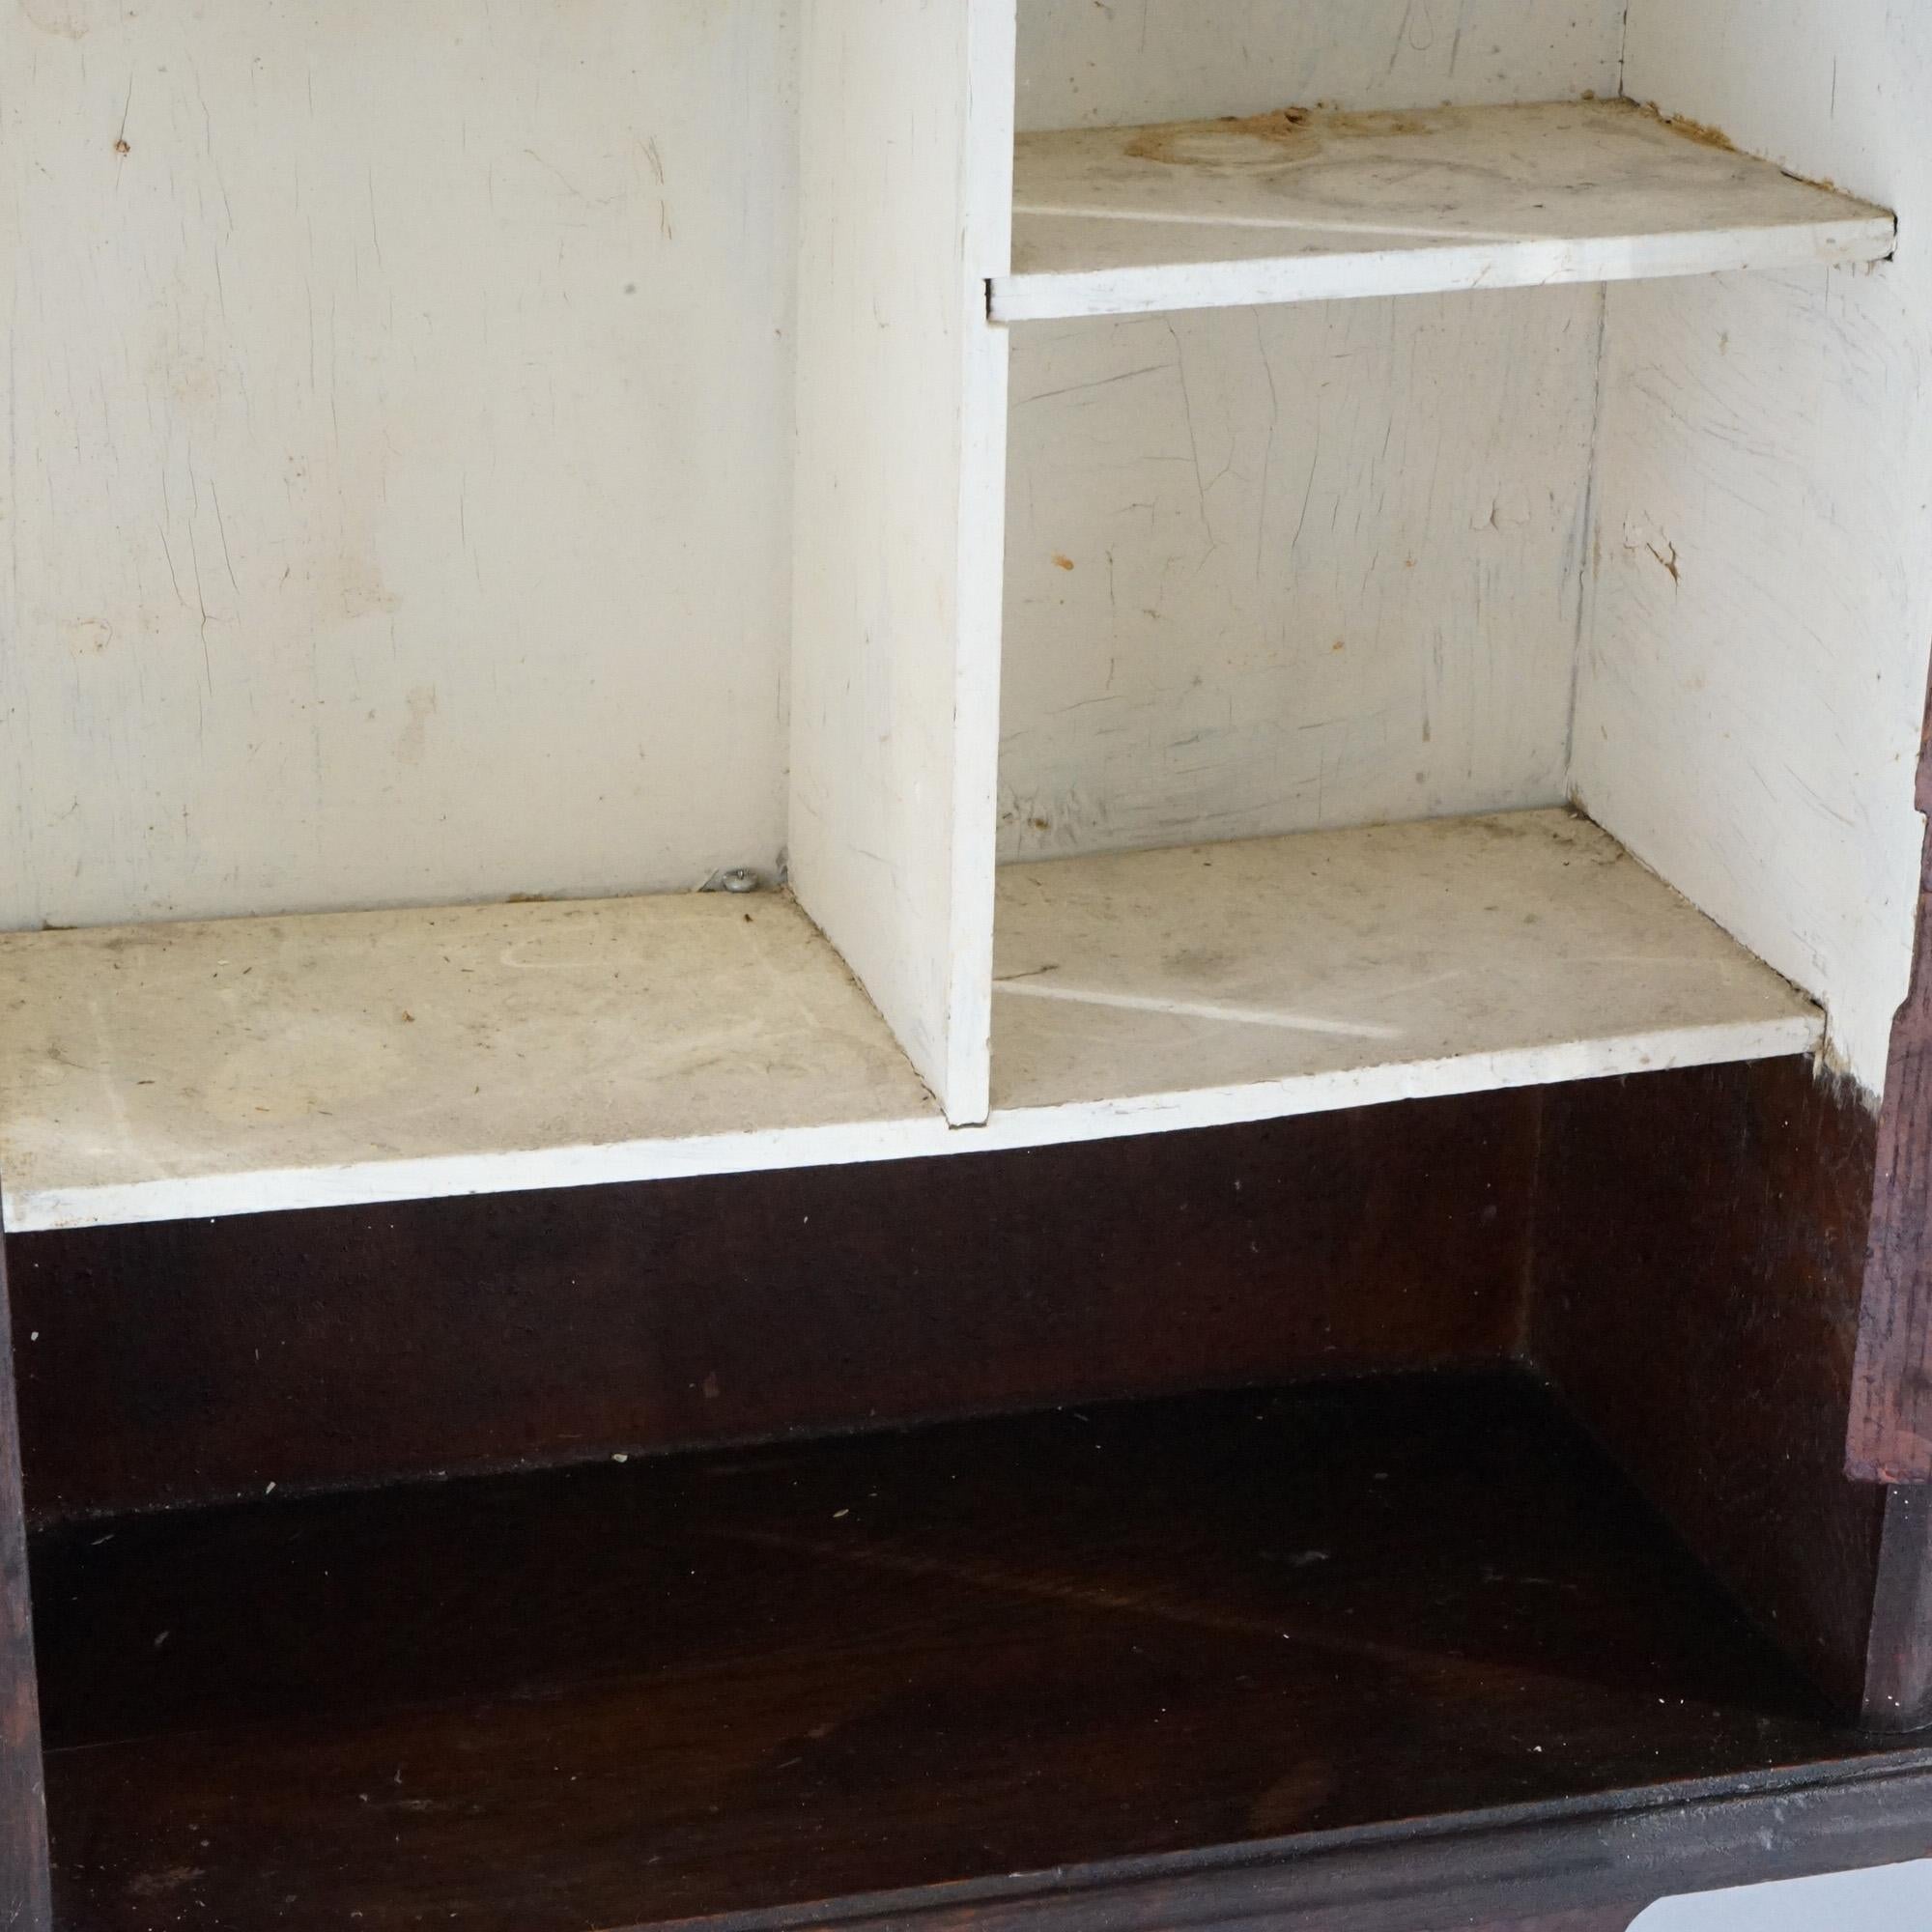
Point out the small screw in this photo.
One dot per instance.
(739, 879)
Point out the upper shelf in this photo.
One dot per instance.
(1313, 205)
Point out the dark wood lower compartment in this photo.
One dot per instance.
(194, 1362)
(1207, 1643)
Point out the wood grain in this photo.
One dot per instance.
(24, 1898)
(1890, 1439)
(169, 1364)
(1135, 1649)
(1608, 1918)
(1899, 1665)
(1605, 1918)
(1699, 1242)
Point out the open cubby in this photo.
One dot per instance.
(961, 965)
(909, 1669)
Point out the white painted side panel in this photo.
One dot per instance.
(1277, 569)
(1084, 65)
(1313, 205)
(907, 207)
(396, 496)
(1750, 698)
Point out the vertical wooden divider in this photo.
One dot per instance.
(906, 182)
(25, 1901)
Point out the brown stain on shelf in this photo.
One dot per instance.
(1286, 127)
(1701, 131)
(1707, 136)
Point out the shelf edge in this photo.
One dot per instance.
(1047, 1123)
(1071, 294)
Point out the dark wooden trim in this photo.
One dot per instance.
(1890, 1439)
(1541, 1861)
(1608, 1918)
(25, 1904)
(1898, 1674)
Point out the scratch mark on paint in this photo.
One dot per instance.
(1195, 1009)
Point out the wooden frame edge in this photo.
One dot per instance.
(26, 1876)
(1551, 1862)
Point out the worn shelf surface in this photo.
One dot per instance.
(1314, 205)
(736, 1682)
(157, 1072)
(1210, 983)
(160, 1072)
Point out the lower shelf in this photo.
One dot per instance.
(1201, 985)
(926, 1666)
(162, 1072)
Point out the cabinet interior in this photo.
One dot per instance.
(772, 768)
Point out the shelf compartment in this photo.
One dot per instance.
(1204, 984)
(912, 1664)
(1314, 205)
(157, 1072)
(153, 1073)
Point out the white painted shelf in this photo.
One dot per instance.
(1212, 984)
(158, 1072)
(1317, 206)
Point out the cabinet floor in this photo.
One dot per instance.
(745, 1683)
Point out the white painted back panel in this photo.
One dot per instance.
(1271, 570)
(1749, 702)
(906, 190)
(1084, 65)
(397, 490)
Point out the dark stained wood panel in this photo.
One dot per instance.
(1700, 1246)
(1610, 1918)
(192, 1362)
(23, 1842)
(1148, 1646)
(1899, 1664)
(1891, 1433)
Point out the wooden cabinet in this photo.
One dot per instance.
(958, 961)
